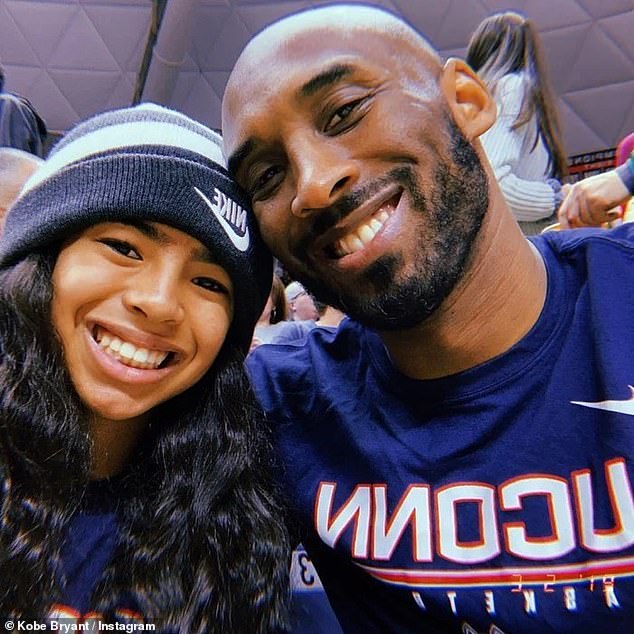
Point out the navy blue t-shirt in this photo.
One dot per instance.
(91, 540)
(495, 500)
(90, 543)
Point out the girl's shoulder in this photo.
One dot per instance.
(509, 93)
(511, 84)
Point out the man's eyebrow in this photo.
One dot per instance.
(325, 78)
(237, 158)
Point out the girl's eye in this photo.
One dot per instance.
(210, 284)
(122, 247)
(341, 114)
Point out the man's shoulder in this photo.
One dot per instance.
(291, 331)
(320, 354)
(575, 242)
(312, 342)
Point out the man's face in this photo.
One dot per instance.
(362, 185)
(303, 307)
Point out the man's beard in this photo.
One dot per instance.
(452, 215)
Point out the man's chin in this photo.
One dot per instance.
(395, 308)
(385, 315)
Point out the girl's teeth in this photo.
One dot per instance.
(127, 350)
(129, 354)
(141, 355)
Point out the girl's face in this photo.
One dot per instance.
(142, 311)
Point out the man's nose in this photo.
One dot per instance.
(323, 170)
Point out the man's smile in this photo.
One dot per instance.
(365, 231)
(359, 228)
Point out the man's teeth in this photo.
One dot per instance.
(361, 235)
(128, 354)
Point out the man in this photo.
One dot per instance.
(301, 306)
(21, 127)
(458, 453)
(16, 166)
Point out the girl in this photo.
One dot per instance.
(273, 317)
(524, 145)
(132, 453)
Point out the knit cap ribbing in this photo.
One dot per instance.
(151, 164)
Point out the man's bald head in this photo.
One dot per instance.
(16, 166)
(345, 26)
(346, 21)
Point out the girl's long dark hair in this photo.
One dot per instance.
(202, 545)
(508, 43)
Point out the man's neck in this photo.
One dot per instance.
(496, 303)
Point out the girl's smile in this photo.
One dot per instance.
(125, 361)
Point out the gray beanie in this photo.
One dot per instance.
(151, 164)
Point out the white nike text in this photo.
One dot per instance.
(231, 217)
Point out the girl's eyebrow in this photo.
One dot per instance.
(203, 254)
(150, 230)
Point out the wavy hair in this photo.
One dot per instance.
(507, 43)
(203, 546)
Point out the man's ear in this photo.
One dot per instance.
(471, 104)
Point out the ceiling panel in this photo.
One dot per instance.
(73, 58)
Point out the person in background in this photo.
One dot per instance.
(133, 456)
(301, 306)
(16, 166)
(592, 201)
(524, 144)
(329, 316)
(625, 152)
(274, 325)
(274, 316)
(276, 309)
(21, 127)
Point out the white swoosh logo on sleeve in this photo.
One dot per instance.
(620, 407)
(218, 207)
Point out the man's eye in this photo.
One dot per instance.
(209, 284)
(341, 114)
(122, 247)
(266, 181)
